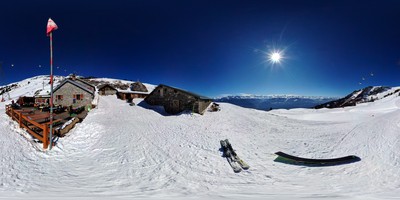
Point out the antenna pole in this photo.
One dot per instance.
(51, 91)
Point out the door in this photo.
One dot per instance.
(175, 106)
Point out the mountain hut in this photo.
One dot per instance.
(72, 93)
(175, 100)
(107, 90)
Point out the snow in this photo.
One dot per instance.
(66, 123)
(29, 86)
(135, 152)
(150, 87)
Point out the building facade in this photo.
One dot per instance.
(72, 93)
(107, 90)
(175, 100)
(124, 95)
(136, 90)
(42, 99)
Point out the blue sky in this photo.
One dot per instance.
(208, 47)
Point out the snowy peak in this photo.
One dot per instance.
(28, 87)
(121, 85)
(368, 94)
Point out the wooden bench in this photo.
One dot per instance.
(35, 117)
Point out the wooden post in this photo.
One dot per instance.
(45, 137)
(20, 119)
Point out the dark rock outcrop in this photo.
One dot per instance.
(358, 96)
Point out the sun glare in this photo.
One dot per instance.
(275, 57)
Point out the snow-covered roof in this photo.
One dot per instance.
(106, 85)
(150, 87)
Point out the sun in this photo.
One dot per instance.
(275, 57)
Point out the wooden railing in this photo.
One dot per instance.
(26, 120)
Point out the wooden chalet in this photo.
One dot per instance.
(107, 90)
(176, 100)
(72, 93)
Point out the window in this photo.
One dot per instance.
(59, 97)
(78, 96)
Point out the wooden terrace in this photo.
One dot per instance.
(37, 123)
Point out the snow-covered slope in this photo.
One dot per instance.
(368, 94)
(117, 82)
(133, 152)
(30, 86)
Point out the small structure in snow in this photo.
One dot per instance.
(42, 99)
(129, 95)
(107, 90)
(177, 100)
(137, 90)
(214, 107)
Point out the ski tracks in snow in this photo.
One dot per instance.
(123, 151)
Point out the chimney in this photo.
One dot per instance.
(73, 77)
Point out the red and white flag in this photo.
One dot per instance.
(51, 26)
(51, 79)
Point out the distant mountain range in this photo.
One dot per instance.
(261, 102)
(268, 102)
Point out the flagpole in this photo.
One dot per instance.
(51, 91)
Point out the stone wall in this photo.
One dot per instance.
(107, 91)
(68, 91)
(124, 96)
(176, 101)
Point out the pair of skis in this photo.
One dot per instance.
(234, 161)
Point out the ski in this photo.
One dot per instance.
(235, 157)
(228, 155)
